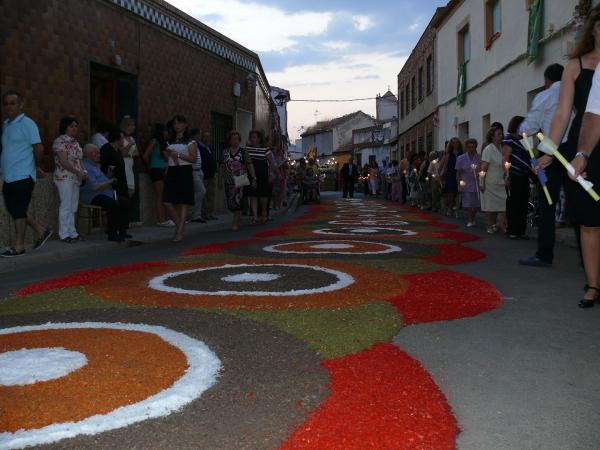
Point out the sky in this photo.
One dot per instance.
(327, 49)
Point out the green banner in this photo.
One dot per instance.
(535, 30)
(461, 90)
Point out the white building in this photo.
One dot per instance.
(387, 106)
(334, 137)
(491, 38)
(374, 143)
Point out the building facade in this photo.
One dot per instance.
(334, 137)
(100, 60)
(417, 91)
(485, 43)
(386, 106)
(373, 144)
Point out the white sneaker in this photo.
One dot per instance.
(167, 223)
(470, 224)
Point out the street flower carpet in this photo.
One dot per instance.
(280, 341)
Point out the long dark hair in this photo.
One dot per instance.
(586, 42)
(186, 134)
(259, 134)
(158, 134)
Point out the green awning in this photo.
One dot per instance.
(535, 30)
(461, 90)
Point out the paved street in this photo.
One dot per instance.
(522, 376)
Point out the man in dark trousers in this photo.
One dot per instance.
(349, 177)
(209, 168)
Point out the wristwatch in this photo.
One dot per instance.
(584, 154)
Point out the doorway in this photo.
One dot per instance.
(220, 125)
(243, 123)
(113, 95)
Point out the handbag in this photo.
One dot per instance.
(241, 181)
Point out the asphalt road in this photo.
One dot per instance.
(525, 376)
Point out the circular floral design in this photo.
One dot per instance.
(29, 366)
(159, 371)
(363, 231)
(370, 284)
(369, 222)
(345, 247)
(336, 280)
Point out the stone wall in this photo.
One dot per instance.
(43, 208)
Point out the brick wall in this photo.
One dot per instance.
(47, 48)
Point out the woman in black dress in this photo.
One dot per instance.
(178, 194)
(262, 160)
(574, 91)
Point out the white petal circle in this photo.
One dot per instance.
(369, 223)
(343, 280)
(247, 277)
(203, 368)
(387, 248)
(349, 231)
(32, 365)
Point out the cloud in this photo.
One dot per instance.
(362, 23)
(417, 24)
(336, 45)
(360, 75)
(367, 77)
(258, 27)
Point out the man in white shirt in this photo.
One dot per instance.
(538, 119)
(544, 104)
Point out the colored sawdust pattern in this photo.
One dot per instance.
(381, 399)
(338, 332)
(67, 299)
(445, 295)
(117, 374)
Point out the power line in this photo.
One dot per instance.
(335, 101)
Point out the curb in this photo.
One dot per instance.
(55, 251)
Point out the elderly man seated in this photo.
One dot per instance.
(98, 190)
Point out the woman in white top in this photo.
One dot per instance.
(493, 187)
(178, 193)
(68, 175)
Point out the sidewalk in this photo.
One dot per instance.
(56, 251)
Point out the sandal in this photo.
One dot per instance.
(79, 238)
(11, 253)
(68, 240)
(585, 303)
(177, 238)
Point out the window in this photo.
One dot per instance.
(413, 147)
(407, 99)
(429, 142)
(429, 75)
(402, 104)
(421, 148)
(421, 84)
(413, 92)
(492, 22)
(464, 45)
